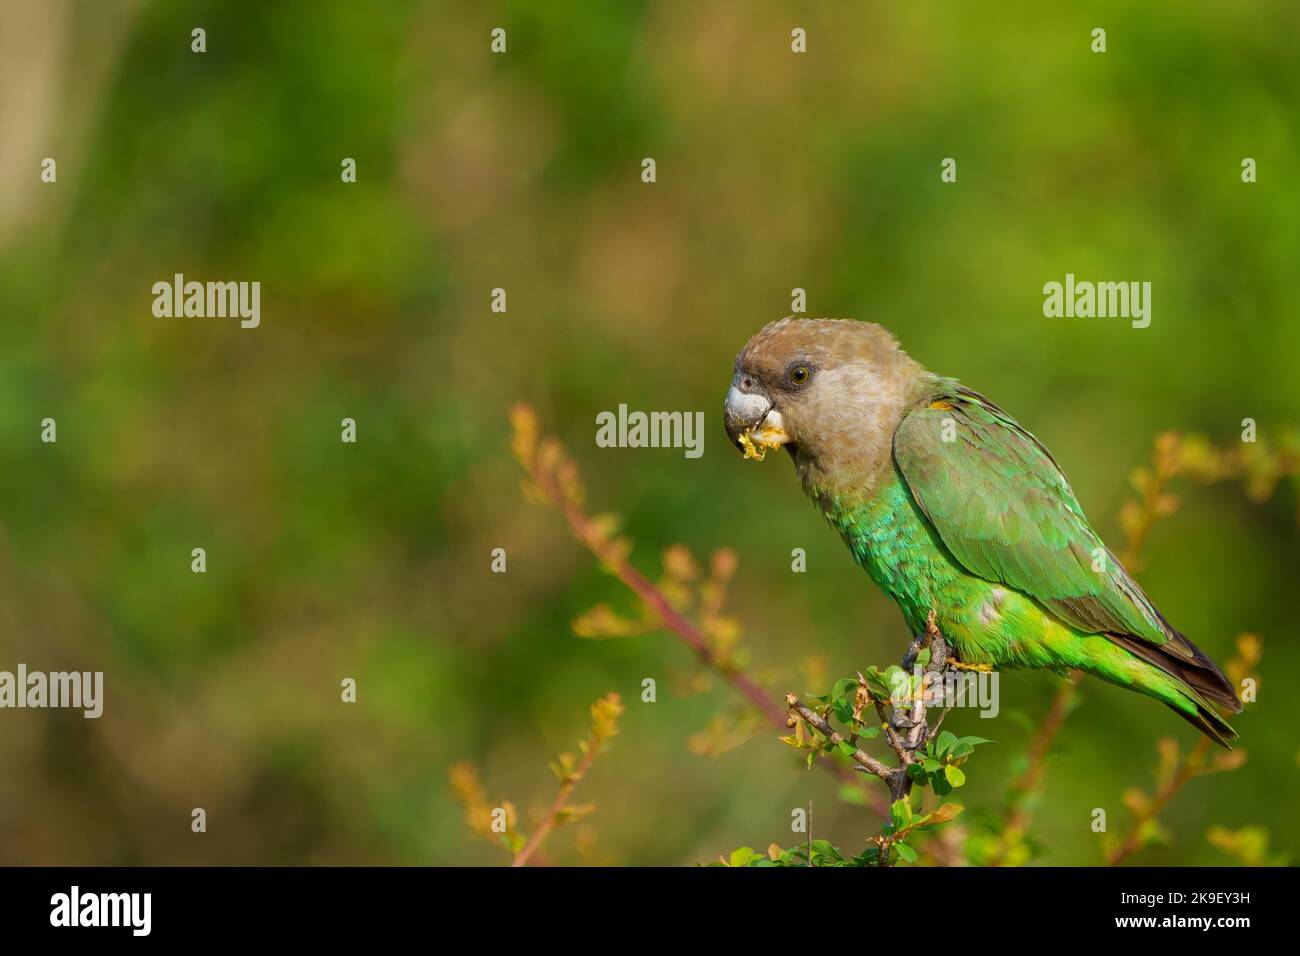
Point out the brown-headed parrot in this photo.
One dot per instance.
(953, 508)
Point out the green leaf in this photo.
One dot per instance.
(945, 742)
(845, 686)
(905, 852)
(900, 813)
(876, 683)
(847, 748)
(741, 856)
(823, 848)
(954, 775)
(870, 731)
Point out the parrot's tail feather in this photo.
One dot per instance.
(1201, 675)
(1207, 721)
(1192, 690)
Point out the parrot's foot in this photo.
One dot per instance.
(931, 638)
(961, 666)
(931, 628)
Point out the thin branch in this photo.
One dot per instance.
(1190, 766)
(605, 713)
(906, 729)
(1020, 814)
(557, 808)
(1172, 456)
(675, 621)
(556, 479)
(895, 742)
(864, 760)
(917, 731)
(1153, 502)
(1174, 772)
(1259, 464)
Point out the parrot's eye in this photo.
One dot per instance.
(799, 374)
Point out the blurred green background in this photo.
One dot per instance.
(522, 171)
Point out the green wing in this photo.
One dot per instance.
(1002, 507)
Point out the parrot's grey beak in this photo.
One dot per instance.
(753, 425)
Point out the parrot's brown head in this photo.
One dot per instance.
(830, 391)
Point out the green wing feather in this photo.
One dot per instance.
(1001, 505)
(1003, 508)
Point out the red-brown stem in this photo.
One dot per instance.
(1161, 475)
(672, 619)
(592, 537)
(1031, 779)
(864, 760)
(684, 628)
(547, 825)
(1019, 816)
(1132, 841)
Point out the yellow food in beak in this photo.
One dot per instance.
(768, 434)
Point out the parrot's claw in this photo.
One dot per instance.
(960, 666)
